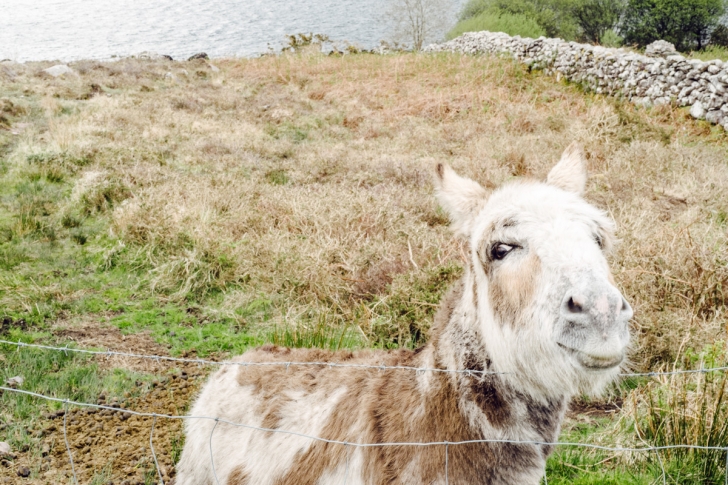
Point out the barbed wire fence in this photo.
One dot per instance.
(66, 403)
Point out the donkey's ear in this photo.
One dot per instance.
(570, 173)
(461, 198)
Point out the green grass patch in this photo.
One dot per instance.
(710, 53)
(277, 177)
(168, 327)
(588, 466)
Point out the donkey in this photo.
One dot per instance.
(535, 320)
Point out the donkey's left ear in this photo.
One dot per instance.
(461, 198)
(570, 173)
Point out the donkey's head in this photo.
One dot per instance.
(543, 294)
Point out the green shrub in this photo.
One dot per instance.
(685, 23)
(596, 17)
(511, 24)
(719, 36)
(611, 39)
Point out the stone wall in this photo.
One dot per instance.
(659, 77)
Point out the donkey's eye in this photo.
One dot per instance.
(500, 250)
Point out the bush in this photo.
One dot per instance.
(611, 39)
(685, 23)
(596, 17)
(719, 36)
(474, 8)
(555, 17)
(511, 24)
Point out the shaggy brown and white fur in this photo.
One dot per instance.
(536, 305)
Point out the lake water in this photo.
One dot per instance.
(99, 29)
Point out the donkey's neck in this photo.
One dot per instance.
(490, 402)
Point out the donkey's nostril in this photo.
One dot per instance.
(574, 305)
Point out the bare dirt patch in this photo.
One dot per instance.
(111, 446)
(95, 335)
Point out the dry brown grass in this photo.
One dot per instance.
(306, 179)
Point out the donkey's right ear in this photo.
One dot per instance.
(461, 198)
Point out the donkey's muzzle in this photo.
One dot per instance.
(593, 326)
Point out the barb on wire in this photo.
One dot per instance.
(381, 367)
(154, 454)
(65, 438)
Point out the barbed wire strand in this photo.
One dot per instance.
(379, 445)
(154, 454)
(65, 438)
(158, 358)
(199, 362)
(212, 458)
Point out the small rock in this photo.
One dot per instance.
(23, 471)
(199, 55)
(15, 382)
(60, 70)
(697, 110)
(214, 68)
(4, 449)
(149, 56)
(714, 116)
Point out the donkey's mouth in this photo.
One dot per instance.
(592, 362)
